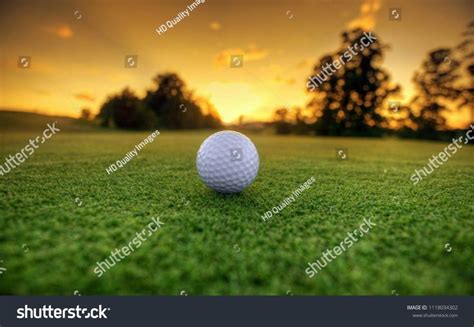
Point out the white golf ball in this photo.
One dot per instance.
(227, 162)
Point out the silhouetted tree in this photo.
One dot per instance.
(170, 105)
(86, 114)
(106, 112)
(465, 51)
(435, 84)
(211, 117)
(176, 107)
(126, 111)
(444, 84)
(301, 125)
(348, 100)
(282, 123)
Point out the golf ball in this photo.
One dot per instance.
(227, 162)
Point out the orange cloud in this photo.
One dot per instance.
(61, 31)
(366, 19)
(251, 54)
(85, 97)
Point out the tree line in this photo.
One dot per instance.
(357, 99)
(169, 105)
(354, 100)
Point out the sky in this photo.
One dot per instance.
(77, 49)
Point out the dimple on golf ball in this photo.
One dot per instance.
(227, 162)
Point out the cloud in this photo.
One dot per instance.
(84, 96)
(215, 26)
(61, 31)
(251, 54)
(366, 19)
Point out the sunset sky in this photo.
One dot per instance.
(78, 48)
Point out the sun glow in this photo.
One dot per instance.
(233, 100)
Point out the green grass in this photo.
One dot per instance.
(11, 121)
(50, 245)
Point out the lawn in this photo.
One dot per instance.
(60, 213)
